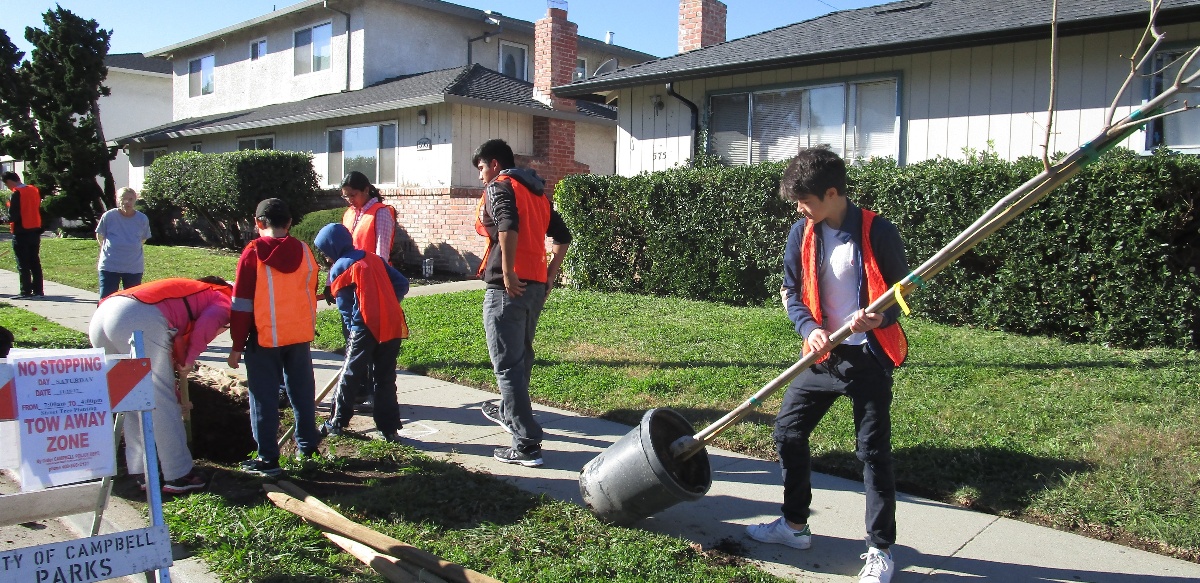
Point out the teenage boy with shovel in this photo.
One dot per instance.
(838, 259)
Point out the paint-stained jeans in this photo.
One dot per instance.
(854, 372)
(509, 324)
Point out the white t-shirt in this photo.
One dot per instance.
(840, 282)
(123, 238)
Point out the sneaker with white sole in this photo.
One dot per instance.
(184, 484)
(491, 411)
(261, 467)
(511, 455)
(778, 532)
(879, 567)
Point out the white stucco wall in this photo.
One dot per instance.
(949, 100)
(240, 83)
(138, 100)
(595, 145)
(386, 39)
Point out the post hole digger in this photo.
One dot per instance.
(662, 461)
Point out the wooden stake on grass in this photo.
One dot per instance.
(185, 403)
(320, 397)
(333, 522)
(390, 567)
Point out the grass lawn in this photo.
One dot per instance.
(1080, 437)
(73, 262)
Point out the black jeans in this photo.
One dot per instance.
(27, 251)
(854, 372)
(370, 365)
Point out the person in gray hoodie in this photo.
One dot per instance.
(516, 216)
(368, 293)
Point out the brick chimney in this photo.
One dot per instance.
(701, 24)
(555, 47)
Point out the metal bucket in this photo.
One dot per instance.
(637, 476)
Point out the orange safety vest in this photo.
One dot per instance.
(534, 211)
(373, 289)
(281, 315)
(173, 288)
(363, 235)
(891, 337)
(31, 207)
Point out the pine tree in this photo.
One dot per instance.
(20, 138)
(59, 89)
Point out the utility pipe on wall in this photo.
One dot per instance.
(347, 15)
(691, 106)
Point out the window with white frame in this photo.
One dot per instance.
(1178, 131)
(369, 149)
(513, 59)
(149, 155)
(9, 166)
(312, 50)
(581, 70)
(196, 147)
(200, 76)
(258, 49)
(856, 119)
(256, 143)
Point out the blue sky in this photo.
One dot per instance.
(645, 25)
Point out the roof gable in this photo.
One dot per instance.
(908, 26)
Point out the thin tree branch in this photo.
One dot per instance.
(1138, 122)
(1136, 64)
(1053, 83)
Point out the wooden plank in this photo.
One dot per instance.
(338, 524)
(49, 503)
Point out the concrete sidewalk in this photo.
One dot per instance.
(938, 542)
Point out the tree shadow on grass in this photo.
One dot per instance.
(987, 479)
(696, 416)
(418, 489)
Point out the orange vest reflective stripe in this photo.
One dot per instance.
(282, 316)
(31, 207)
(376, 297)
(173, 288)
(534, 211)
(891, 337)
(363, 235)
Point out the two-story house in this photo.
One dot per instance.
(403, 90)
(911, 80)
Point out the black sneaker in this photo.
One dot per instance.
(491, 410)
(261, 467)
(192, 481)
(510, 455)
(329, 428)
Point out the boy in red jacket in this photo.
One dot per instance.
(272, 322)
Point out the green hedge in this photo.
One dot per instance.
(1109, 257)
(224, 189)
(307, 229)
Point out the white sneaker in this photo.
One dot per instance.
(779, 532)
(878, 569)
